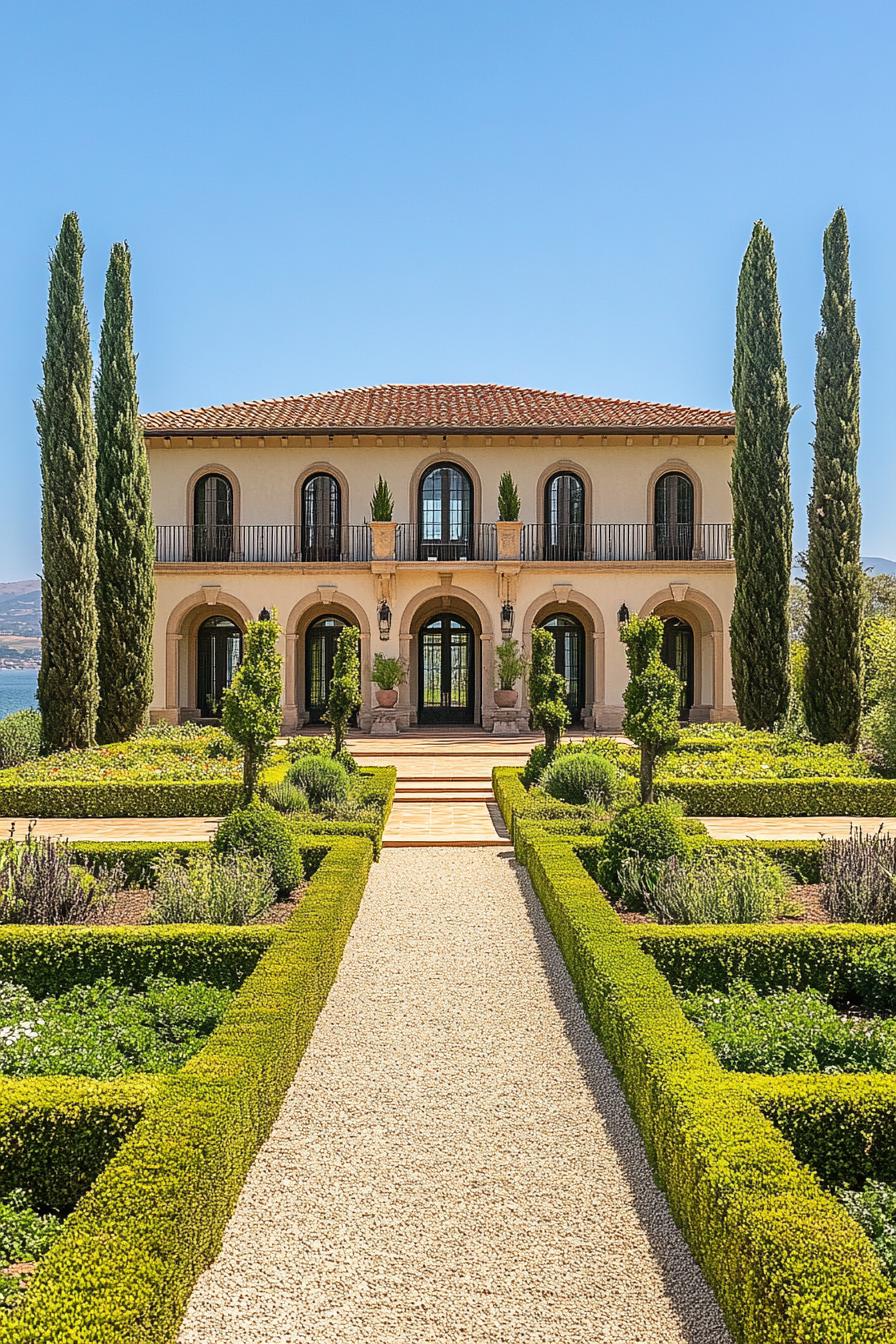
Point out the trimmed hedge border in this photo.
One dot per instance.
(786, 1262)
(858, 797)
(123, 1269)
(800, 858)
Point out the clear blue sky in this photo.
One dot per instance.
(556, 195)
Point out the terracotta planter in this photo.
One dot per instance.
(509, 535)
(506, 699)
(382, 541)
(386, 699)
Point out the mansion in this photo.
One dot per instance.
(625, 507)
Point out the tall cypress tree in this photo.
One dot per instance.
(67, 687)
(760, 488)
(833, 687)
(126, 588)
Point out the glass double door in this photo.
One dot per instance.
(219, 648)
(446, 671)
(569, 659)
(678, 653)
(320, 650)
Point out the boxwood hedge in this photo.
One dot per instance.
(123, 1268)
(785, 1260)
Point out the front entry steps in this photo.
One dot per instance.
(446, 810)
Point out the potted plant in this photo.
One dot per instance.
(510, 666)
(509, 526)
(388, 674)
(382, 528)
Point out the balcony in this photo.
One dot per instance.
(263, 544)
(625, 542)
(594, 543)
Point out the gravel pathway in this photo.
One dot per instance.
(455, 1160)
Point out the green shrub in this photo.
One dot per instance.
(607, 747)
(320, 779)
(789, 1031)
(24, 1237)
(710, 886)
(212, 889)
(782, 797)
(297, 747)
(105, 1030)
(649, 833)
(285, 797)
(117, 798)
(859, 877)
(19, 737)
(582, 778)
(262, 832)
(874, 1209)
(874, 977)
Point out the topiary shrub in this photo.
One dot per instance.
(261, 831)
(649, 834)
(581, 777)
(322, 780)
(19, 737)
(285, 797)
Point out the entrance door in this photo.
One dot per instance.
(678, 653)
(446, 671)
(219, 650)
(569, 658)
(320, 646)
(674, 517)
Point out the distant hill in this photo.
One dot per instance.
(20, 608)
(876, 564)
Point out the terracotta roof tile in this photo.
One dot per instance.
(436, 406)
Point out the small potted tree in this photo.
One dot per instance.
(510, 666)
(509, 526)
(382, 528)
(388, 675)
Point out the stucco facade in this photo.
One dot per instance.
(251, 542)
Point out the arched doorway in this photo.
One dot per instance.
(673, 512)
(445, 513)
(678, 653)
(321, 518)
(446, 671)
(219, 648)
(564, 517)
(569, 658)
(320, 649)
(212, 518)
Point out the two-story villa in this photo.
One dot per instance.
(625, 507)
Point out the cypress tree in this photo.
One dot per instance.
(760, 489)
(833, 687)
(124, 538)
(67, 687)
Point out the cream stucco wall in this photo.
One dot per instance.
(619, 475)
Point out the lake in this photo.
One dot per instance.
(18, 687)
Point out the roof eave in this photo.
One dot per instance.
(234, 431)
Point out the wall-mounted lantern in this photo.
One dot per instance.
(264, 614)
(507, 620)
(384, 617)
(622, 614)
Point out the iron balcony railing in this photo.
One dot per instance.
(626, 542)
(262, 543)
(480, 543)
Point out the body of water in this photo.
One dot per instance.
(18, 687)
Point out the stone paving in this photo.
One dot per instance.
(455, 1160)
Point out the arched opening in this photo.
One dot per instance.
(564, 517)
(445, 513)
(569, 659)
(445, 682)
(678, 653)
(212, 518)
(320, 649)
(219, 648)
(321, 518)
(673, 514)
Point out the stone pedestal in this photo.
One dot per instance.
(383, 722)
(506, 723)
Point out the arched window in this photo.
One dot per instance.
(320, 650)
(445, 514)
(219, 648)
(678, 653)
(564, 517)
(212, 518)
(321, 518)
(673, 513)
(569, 658)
